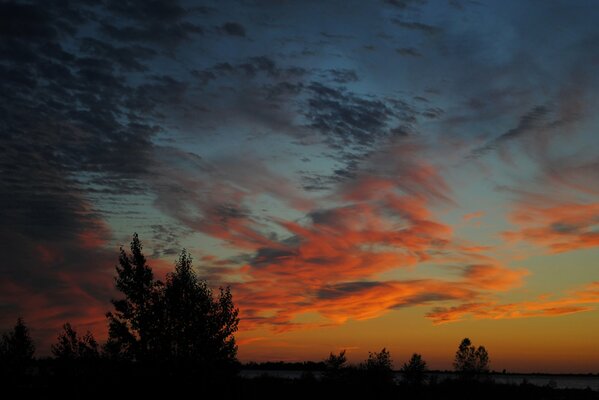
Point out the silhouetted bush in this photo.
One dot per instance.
(336, 368)
(378, 368)
(414, 371)
(72, 347)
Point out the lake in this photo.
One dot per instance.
(557, 381)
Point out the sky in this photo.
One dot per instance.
(363, 174)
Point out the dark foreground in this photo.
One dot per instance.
(76, 381)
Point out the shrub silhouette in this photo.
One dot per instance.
(414, 371)
(70, 346)
(379, 367)
(336, 368)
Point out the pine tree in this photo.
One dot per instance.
(181, 321)
(200, 326)
(135, 321)
(17, 348)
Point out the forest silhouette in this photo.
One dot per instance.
(177, 335)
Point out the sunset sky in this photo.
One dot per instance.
(363, 174)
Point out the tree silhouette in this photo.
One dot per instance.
(482, 360)
(180, 321)
(16, 349)
(71, 346)
(379, 367)
(414, 370)
(335, 367)
(137, 316)
(470, 361)
(200, 326)
(379, 361)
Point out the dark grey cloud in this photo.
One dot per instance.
(425, 298)
(269, 256)
(408, 51)
(251, 68)
(140, 10)
(129, 58)
(405, 4)
(527, 123)
(166, 239)
(433, 112)
(417, 26)
(226, 211)
(166, 36)
(233, 29)
(157, 22)
(343, 75)
(76, 133)
(337, 36)
(347, 119)
(312, 181)
(332, 292)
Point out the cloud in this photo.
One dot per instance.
(417, 26)
(77, 146)
(473, 215)
(527, 123)
(328, 264)
(161, 23)
(110, 122)
(217, 195)
(343, 75)
(560, 228)
(347, 119)
(408, 51)
(581, 300)
(129, 58)
(493, 277)
(404, 4)
(233, 29)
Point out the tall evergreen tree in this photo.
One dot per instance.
(181, 320)
(136, 317)
(200, 326)
(17, 348)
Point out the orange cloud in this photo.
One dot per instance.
(473, 215)
(561, 228)
(578, 301)
(328, 269)
(493, 277)
(329, 266)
